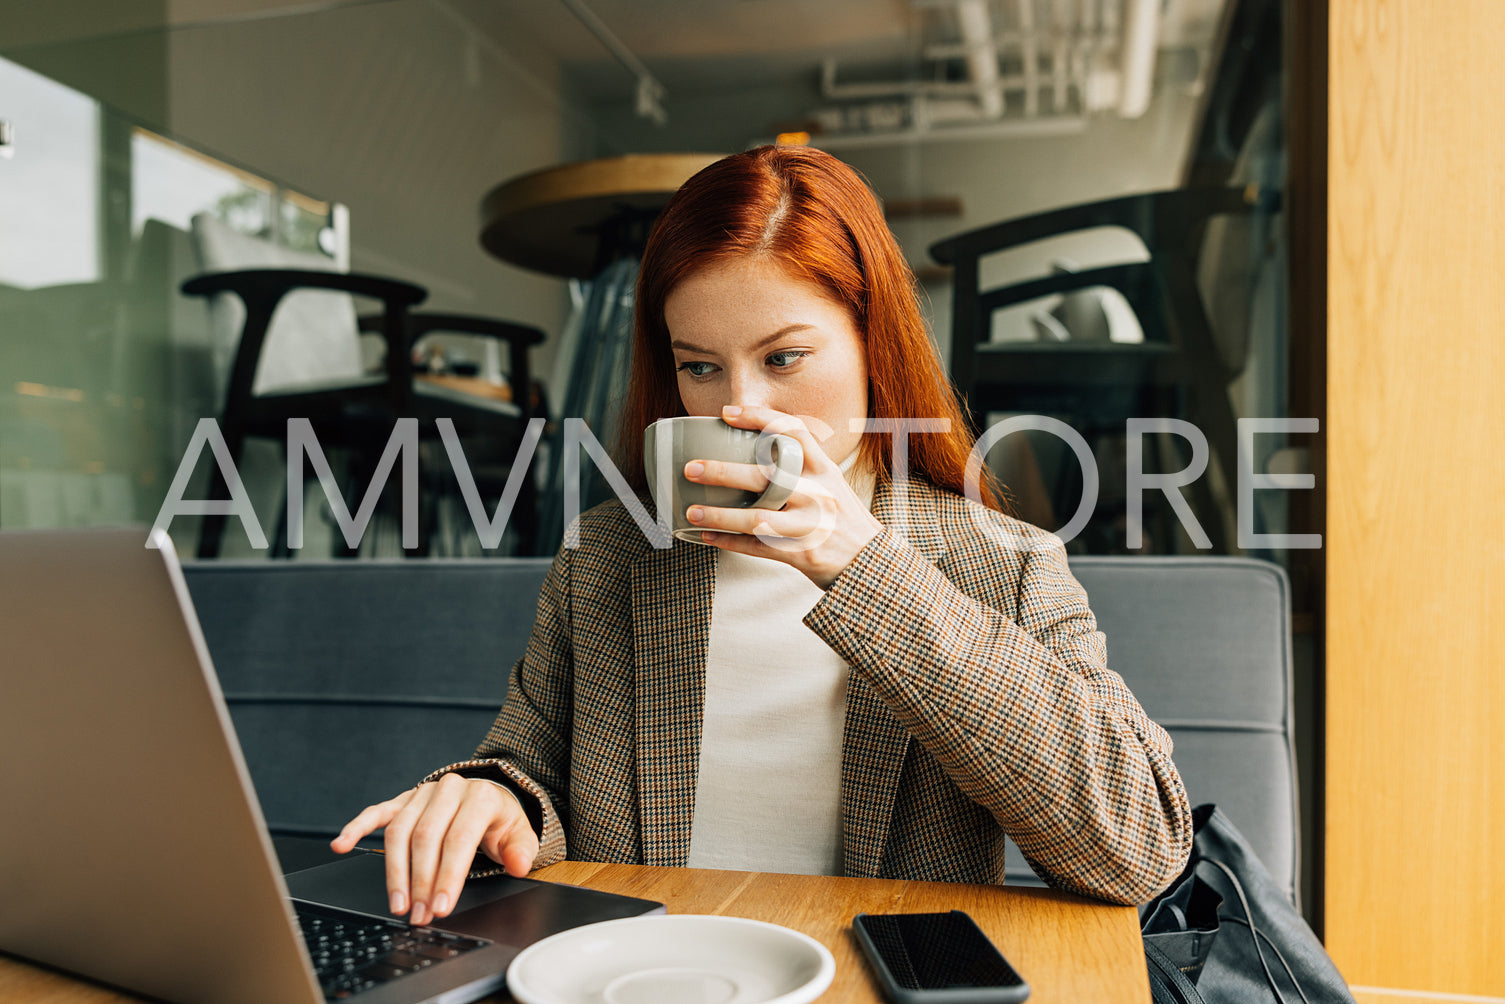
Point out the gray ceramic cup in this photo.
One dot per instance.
(686, 438)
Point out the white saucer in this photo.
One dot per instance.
(684, 959)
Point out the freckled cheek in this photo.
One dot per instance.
(697, 398)
(832, 402)
(838, 396)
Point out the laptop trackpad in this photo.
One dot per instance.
(360, 883)
(510, 911)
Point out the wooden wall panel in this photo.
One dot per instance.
(1415, 820)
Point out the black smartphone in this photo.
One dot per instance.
(936, 958)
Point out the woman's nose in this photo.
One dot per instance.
(749, 391)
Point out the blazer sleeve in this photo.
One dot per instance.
(1021, 712)
(526, 749)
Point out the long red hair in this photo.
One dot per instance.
(817, 218)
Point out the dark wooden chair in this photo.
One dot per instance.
(356, 414)
(1177, 371)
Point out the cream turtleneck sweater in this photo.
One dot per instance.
(768, 795)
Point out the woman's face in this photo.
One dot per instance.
(745, 332)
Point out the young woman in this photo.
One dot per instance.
(885, 677)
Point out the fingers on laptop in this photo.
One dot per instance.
(432, 835)
(489, 820)
(439, 836)
(370, 819)
(515, 847)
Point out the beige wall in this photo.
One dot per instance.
(1415, 877)
(409, 117)
(393, 110)
(397, 110)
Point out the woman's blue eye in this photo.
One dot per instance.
(788, 358)
(695, 369)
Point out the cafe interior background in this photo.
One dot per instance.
(369, 133)
(364, 135)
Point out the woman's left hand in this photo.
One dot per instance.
(818, 531)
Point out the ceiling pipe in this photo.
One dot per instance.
(650, 93)
(1141, 34)
(1051, 125)
(1105, 50)
(982, 55)
(1064, 18)
(1029, 54)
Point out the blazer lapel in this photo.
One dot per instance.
(671, 616)
(874, 744)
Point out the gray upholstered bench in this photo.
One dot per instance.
(349, 681)
(1205, 644)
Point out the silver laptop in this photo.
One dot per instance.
(132, 848)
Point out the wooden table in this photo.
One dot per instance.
(474, 386)
(557, 220)
(1071, 950)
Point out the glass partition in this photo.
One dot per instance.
(360, 134)
(400, 116)
(105, 367)
(68, 452)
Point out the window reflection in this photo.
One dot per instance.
(49, 185)
(105, 368)
(170, 182)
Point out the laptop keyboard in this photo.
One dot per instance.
(353, 953)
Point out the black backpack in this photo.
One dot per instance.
(1225, 933)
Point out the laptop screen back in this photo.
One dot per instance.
(133, 849)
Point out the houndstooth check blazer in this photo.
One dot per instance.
(979, 704)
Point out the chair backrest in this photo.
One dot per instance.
(1205, 645)
(349, 681)
(1096, 313)
(315, 335)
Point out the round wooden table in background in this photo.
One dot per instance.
(571, 220)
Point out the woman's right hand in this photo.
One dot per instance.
(432, 834)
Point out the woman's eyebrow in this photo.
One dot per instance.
(680, 343)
